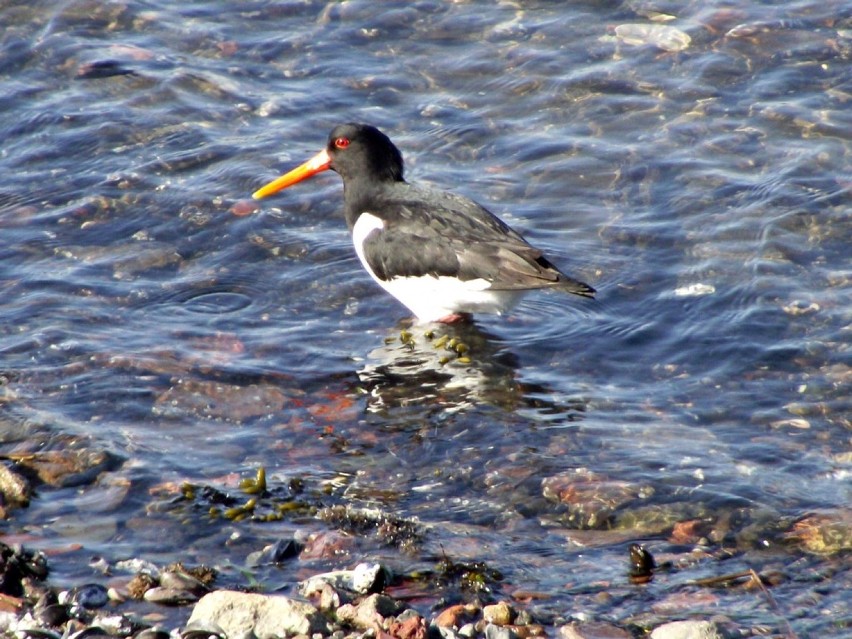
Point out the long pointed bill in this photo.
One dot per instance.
(320, 162)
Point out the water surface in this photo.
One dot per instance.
(691, 161)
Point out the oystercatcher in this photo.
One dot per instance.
(442, 255)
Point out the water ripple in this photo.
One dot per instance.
(703, 191)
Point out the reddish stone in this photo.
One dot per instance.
(243, 208)
(8, 603)
(411, 628)
(687, 532)
(456, 616)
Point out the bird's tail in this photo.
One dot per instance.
(570, 285)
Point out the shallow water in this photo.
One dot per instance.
(698, 176)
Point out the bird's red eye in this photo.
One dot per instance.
(341, 143)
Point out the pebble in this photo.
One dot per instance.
(499, 614)
(690, 629)
(182, 581)
(664, 37)
(369, 613)
(15, 490)
(88, 596)
(409, 625)
(170, 596)
(243, 208)
(276, 553)
(202, 630)
(363, 579)
(268, 617)
(456, 616)
(53, 615)
(368, 578)
(499, 632)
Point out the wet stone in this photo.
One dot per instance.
(327, 545)
(10, 606)
(243, 208)
(409, 626)
(15, 490)
(468, 630)
(181, 581)
(642, 564)
(368, 578)
(665, 37)
(456, 616)
(500, 614)
(126, 260)
(687, 630)
(19, 568)
(527, 631)
(216, 400)
(329, 598)
(37, 633)
(114, 625)
(499, 632)
(448, 633)
(140, 584)
(53, 614)
(369, 613)
(170, 596)
(238, 613)
(592, 630)
(276, 553)
(826, 533)
(101, 69)
(87, 596)
(591, 500)
(363, 579)
(66, 468)
(203, 630)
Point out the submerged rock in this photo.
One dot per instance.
(663, 37)
(65, 468)
(825, 533)
(218, 400)
(15, 490)
(592, 630)
(591, 500)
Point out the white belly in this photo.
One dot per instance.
(431, 298)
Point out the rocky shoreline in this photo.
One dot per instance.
(345, 604)
(436, 597)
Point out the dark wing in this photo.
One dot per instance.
(438, 233)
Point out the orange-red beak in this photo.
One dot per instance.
(320, 162)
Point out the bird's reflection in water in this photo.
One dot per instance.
(447, 366)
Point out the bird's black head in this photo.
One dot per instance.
(361, 151)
